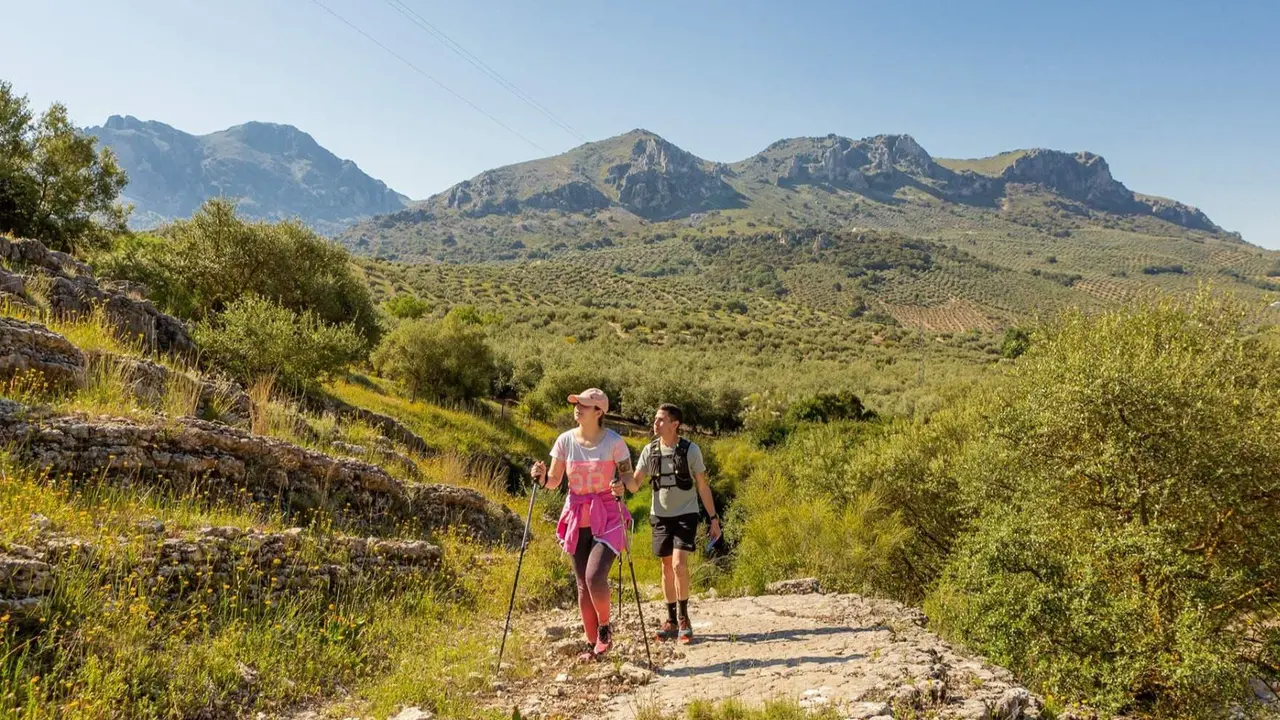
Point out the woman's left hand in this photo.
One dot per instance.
(617, 487)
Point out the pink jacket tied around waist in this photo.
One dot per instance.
(609, 520)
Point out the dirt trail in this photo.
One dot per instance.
(868, 658)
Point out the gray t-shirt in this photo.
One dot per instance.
(672, 501)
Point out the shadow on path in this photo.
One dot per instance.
(783, 635)
(729, 667)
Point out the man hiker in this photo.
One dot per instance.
(675, 469)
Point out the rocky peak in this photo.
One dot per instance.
(1178, 213)
(660, 180)
(276, 171)
(898, 152)
(840, 161)
(126, 122)
(273, 138)
(1081, 176)
(654, 153)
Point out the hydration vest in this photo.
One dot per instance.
(682, 478)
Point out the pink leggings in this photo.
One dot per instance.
(591, 563)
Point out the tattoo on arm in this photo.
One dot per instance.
(624, 473)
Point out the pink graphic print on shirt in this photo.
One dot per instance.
(590, 470)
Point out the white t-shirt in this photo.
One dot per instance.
(590, 469)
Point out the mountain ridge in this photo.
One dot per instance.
(638, 183)
(275, 171)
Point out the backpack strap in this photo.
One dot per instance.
(684, 478)
(680, 459)
(654, 464)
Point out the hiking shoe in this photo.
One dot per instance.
(685, 636)
(667, 631)
(604, 640)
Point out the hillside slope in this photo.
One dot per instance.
(275, 171)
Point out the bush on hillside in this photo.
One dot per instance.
(55, 185)
(255, 337)
(198, 267)
(703, 406)
(783, 524)
(828, 406)
(548, 400)
(771, 423)
(516, 377)
(445, 359)
(1127, 546)
(1016, 341)
(407, 307)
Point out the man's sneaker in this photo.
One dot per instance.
(685, 635)
(667, 631)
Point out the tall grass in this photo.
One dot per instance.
(452, 429)
(106, 643)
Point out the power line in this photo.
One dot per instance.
(403, 8)
(428, 76)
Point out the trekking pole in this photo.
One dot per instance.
(644, 631)
(524, 542)
(620, 589)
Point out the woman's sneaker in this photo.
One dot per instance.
(667, 631)
(604, 640)
(685, 634)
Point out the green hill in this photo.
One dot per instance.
(1006, 237)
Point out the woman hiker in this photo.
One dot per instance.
(593, 524)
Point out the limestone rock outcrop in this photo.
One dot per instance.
(69, 288)
(233, 462)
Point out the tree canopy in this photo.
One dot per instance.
(55, 185)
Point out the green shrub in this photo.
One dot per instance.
(444, 359)
(407, 307)
(795, 516)
(704, 407)
(912, 466)
(784, 524)
(255, 337)
(1127, 548)
(1016, 341)
(827, 406)
(548, 399)
(771, 432)
(197, 267)
(516, 377)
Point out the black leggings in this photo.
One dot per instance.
(591, 563)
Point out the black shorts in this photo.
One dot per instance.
(674, 532)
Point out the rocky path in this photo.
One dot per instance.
(866, 658)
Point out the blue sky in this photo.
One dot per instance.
(1182, 98)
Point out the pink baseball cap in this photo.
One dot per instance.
(591, 397)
